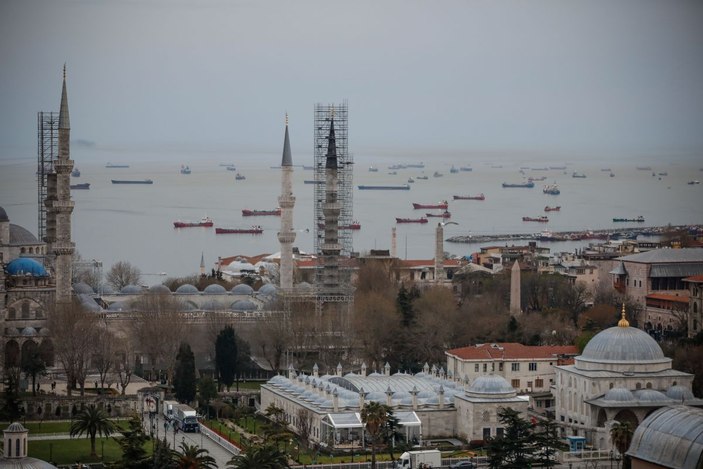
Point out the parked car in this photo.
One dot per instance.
(463, 465)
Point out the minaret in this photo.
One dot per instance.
(286, 201)
(331, 209)
(515, 309)
(60, 206)
(202, 265)
(439, 253)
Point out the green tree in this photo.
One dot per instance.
(226, 356)
(33, 365)
(207, 391)
(621, 436)
(516, 448)
(11, 409)
(375, 416)
(184, 382)
(134, 455)
(404, 304)
(163, 457)
(390, 433)
(194, 457)
(260, 457)
(92, 421)
(548, 441)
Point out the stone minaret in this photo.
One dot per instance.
(331, 209)
(286, 201)
(60, 206)
(439, 253)
(515, 309)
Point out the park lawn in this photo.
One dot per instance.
(63, 426)
(77, 449)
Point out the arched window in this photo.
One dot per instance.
(638, 386)
(612, 385)
(17, 447)
(31, 250)
(649, 386)
(22, 250)
(9, 450)
(25, 310)
(11, 313)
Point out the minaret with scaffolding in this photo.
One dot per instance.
(286, 201)
(47, 152)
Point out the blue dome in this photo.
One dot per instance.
(26, 266)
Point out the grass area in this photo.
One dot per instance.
(77, 449)
(255, 385)
(62, 426)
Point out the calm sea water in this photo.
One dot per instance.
(135, 222)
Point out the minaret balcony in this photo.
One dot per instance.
(63, 166)
(63, 206)
(332, 208)
(286, 202)
(331, 248)
(286, 237)
(63, 249)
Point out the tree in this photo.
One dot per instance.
(134, 455)
(260, 457)
(207, 391)
(92, 421)
(621, 436)
(124, 362)
(374, 417)
(104, 352)
(163, 457)
(122, 274)
(33, 365)
(226, 356)
(515, 449)
(304, 424)
(11, 409)
(194, 457)
(184, 381)
(548, 441)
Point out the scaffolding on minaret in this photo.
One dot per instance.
(47, 152)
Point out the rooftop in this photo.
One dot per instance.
(666, 255)
(511, 351)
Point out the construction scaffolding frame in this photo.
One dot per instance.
(47, 152)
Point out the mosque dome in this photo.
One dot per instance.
(679, 393)
(304, 286)
(159, 289)
(130, 290)
(491, 386)
(187, 289)
(26, 266)
(29, 331)
(12, 436)
(242, 289)
(215, 289)
(21, 235)
(83, 288)
(243, 305)
(619, 395)
(651, 395)
(3, 215)
(268, 289)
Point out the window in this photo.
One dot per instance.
(11, 313)
(529, 384)
(486, 433)
(500, 366)
(533, 366)
(485, 367)
(476, 368)
(515, 383)
(515, 367)
(499, 432)
(25, 310)
(539, 383)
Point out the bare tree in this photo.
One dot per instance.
(122, 274)
(104, 352)
(86, 271)
(271, 340)
(74, 330)
(304, 425)
(124, 361)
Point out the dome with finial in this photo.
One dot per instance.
(623, 348)
(14, 455)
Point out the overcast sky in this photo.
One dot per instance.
(563, 75)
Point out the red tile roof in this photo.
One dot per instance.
(694, 278)
(512, 351)
(414, 263)
(662, 296)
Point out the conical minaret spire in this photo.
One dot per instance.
(64, 121)
(286, 201)
(331, 210)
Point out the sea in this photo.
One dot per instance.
(134, 223)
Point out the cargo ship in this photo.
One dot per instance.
(110, 165)
(442, 205)
(541, 219)
(312, 181)
(83, 185)
(132, 181)
(411, 220)
(639, 219)
(470, 197)
(401, 187)
(528, 184)
(465, 168)
(239, 177)
(76, 173)
(355, 225)
(252, 230)
(255, 213)
(552, 209)
(185, 169)
(551, 189)
(204, 222)
(444, 214)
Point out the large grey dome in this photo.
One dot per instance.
(679, 393)
(619, 395)
(159, 289)
(215, 289)
(622, 344)
(243, 305)
(187, 289)
(242, 289)
(130, 290)
(83, 288)
(491, 385)
(268, 289)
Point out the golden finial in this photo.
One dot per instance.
(623, 322)
(286, 118)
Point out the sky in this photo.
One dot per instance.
(571, 76)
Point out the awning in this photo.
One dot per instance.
(407, 419)
(676, 270)
(350, 420)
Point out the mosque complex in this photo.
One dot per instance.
(621, 375)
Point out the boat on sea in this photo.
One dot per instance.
(465, 168)
(663, 173)
(82, 185)
(577, 175)
(541, 178)
(253, 230)
(552, 209)
(528, 184)
(397, 166)
(76, 173)
(401, 187)
(255, 213)
(437, 174)
(644, 168)
(443, 205)
(445, 214)
(551, 189)
(185, 169)
(607, 170)
(231, 167)
(393, 173)
(410, 180)
(419, 165)
(546, 235)
(541, 219)
(558, 167)
(453, 170)
(240, 177)
(132, 181)
(423, 177)
(204, 222)
(612, 175)
(411, 220)
(373, 169)
(308, 168)
(639, 219)
(695, 181)
(110, 165)
(470, 197)
(312, 181)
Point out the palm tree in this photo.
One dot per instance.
(375, 417)
(194, 457)
(260, 457)
(621, 436)
(92, 421)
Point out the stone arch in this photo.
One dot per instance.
(648, 385)
(46, 351)
(602, 418)
(638, 386)
(29, 350)
(39, 410)
(57, 412)
(626, 415)
(12, 354)
(11, 313)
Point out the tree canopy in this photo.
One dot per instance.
(226, 358)
(184, 382)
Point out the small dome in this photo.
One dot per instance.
(21, 235)
(268, 289)
(304, 286)
(211, 305)
(119, 306)
(242, 289)
(26, 266)
(215, 289)
(622, 344)
(188, 306)
(44, 332)
(650, 395)
(187, 289)
(493, 385)
(131, 290)
(29, 331)
(15, 427)
(679, 393)
(243, 305)
(159, 289)
(619, 395)
(91, 305)
(83, 288)
(108, 289)
(3, 215)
